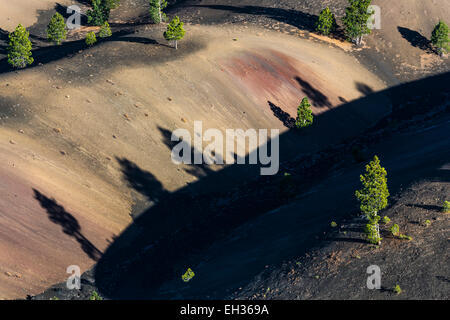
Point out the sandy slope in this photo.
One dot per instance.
(71, 129)
(23, 11)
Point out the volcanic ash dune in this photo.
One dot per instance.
(75, 132)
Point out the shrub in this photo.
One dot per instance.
(19, 48)
(188, 275)
(326, 22)
(91, 39)
(333, 224)
(427, 223)
(446, 207)
(395, 230)
(397, 289)
(56, 29)
(386, 220)
(95, 296)
(304, 114)
(105, 31)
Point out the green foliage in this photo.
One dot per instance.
(54, 298)
(333, 224)
(95, 296)
(19, 48)
(386, 220)
(105, 31)
(374, 194)
(397, 289)
(156, 10)
(188, 275)
(56, 29)
(404, 237)
(304, 114)
(372, 231)
(175, 31)
(91, 39)
(439, 37)
(427, 223)
(99, 13)
(446, 207)
(395, 230)
(355, 20)
(326, 22)
(373, 197)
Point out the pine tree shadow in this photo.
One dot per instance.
(70, 226)
(416, 39)
(281, 115)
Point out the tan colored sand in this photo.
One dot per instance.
(120, 116)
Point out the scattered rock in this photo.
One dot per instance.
(12, 142)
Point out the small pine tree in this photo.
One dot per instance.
(355, 20)
(439, 37)
(56, 29)
(91, 39)
(446, 207)
(326, 22)
(374, 194)
(105, 31)
(19, 48)
(99, 13)
(156, 10)
(175, 31)
(304, 114)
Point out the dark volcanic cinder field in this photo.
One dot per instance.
(86, 176)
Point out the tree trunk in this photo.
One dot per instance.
(176, 44)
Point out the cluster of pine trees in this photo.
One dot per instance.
(20, 46)
(355, 22)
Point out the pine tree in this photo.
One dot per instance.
(91, 39)
(355, 21)
(326, 22)
(99, 13)
(304, 114)
(175, 31)
(373, 197)
(439, 37)
(105, 31)
(156, 10)
(19, 49)
(56, 29)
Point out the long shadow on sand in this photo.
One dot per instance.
(175, 231)
(416, 39)
(57, 214)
